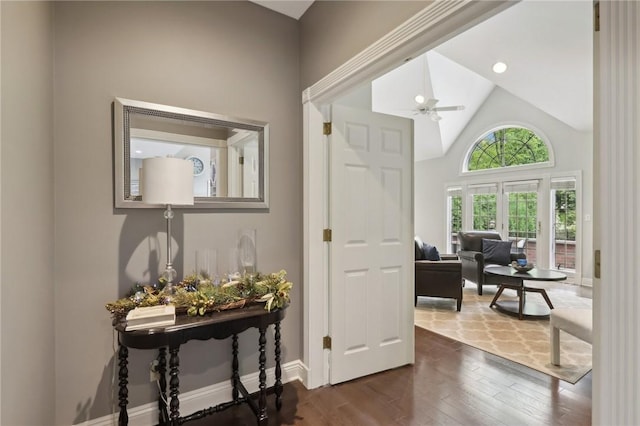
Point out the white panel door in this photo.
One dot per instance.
(371, 261)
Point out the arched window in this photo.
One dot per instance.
(505, 147)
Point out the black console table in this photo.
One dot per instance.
(219, 325)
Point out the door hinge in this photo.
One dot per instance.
(326, 342)
(596, 16)
(596, 264)
(241, 160)
(326, 128)
(326, 234)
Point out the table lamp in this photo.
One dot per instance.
(167, 181)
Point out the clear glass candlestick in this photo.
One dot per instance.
(247, 251)
(206, 264)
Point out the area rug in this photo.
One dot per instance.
(525, 342)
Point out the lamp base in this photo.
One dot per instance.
(169, 291)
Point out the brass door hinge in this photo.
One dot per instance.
(326, 342)
(596, 267)
(326, 234)
(241, 160)
(326, 128)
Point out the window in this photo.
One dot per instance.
(522, 216)
(484, 212)
(506, 147)
(484, 202)
(454, 209)
(513, 200)
(563, 249)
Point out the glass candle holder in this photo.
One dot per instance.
(206, 264)
(233, 268)
(247, 253)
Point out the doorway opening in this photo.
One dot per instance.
(318, 97)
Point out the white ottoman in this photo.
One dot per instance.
(577, 322)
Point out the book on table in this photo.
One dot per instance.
(151, 316)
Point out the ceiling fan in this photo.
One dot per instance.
(429, 108)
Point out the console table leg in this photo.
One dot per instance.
(162, 396)
(262, 400)
(174, 383)
(123, 374)
(278, 384)
(235, 376)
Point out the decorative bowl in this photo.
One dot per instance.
(526, 268)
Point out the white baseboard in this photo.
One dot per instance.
(587, 282)
(199, 399)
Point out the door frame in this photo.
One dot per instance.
(428, 28)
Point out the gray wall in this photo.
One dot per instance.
(231, 58)
(332, 32)
(27, 280)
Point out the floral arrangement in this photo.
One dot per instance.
(196, 295)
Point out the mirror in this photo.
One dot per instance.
(229, 155)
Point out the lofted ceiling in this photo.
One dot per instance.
(547, 46)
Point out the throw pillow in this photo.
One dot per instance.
(430, 252)
(496, 251)
(418, 248)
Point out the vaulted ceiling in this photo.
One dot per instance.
(548, 49)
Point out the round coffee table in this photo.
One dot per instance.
(513, 279)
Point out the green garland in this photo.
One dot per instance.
(197, 296)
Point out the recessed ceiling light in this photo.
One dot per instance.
(419, 99)
(499, 67)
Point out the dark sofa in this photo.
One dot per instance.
(437, 278)
(473, 259)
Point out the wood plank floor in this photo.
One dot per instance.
(449, 384)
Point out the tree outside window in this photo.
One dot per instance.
(484, 212)
(523, 215)
(565, 215)
(506, 147)
(455, 218)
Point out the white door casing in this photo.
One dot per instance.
(371, 260)
(616, 348)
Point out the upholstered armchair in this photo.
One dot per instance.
(437, 278)
(475, 254)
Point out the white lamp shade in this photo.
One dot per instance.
(167, 181)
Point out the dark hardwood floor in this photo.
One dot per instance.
(449, 384)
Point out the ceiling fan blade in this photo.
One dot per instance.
(449, 108)
(430, 103)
